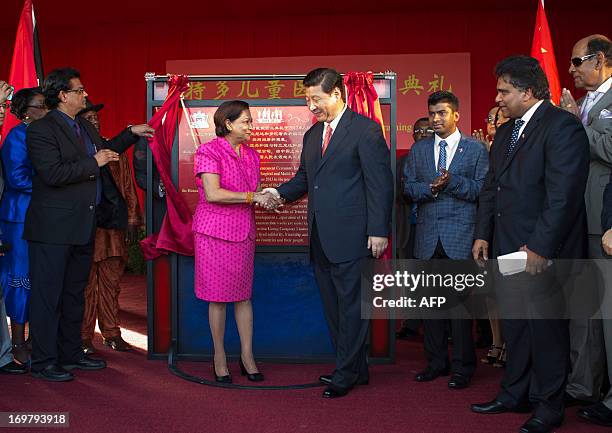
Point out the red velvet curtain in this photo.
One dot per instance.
(175, 234)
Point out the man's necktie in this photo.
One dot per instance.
(77, 131)
(328, 133)
(442, 157)
(586, 107)
(515, 136)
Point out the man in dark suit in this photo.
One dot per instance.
(443, 175)
(533, 201)
(345, 170)
(67, 153)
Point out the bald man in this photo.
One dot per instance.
(591, 68)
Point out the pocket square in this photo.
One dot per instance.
(605, 114)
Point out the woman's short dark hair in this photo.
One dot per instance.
(444, 96)
(58, 80)
(524, 72)
(21, 100)
(229, 110)
(327, 78)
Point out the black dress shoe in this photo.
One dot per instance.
(537, 425)
(496, 406)
(253, 377)
(327, 380)
(430, 374)
(334, 392)
(458, 381)
(597, 414)
(85, 363)
(13, 368)
(53, 373)
(221, 379)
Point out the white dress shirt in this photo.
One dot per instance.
(452, 141)
(596, 95)
(528, 115)
(333, 124)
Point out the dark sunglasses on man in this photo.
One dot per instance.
(577, 61)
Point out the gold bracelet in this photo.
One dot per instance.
(249, 197)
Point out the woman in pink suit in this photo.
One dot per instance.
(227, 172)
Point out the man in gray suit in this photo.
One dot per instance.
(591, 68)
(7, 365)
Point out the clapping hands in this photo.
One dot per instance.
(440, 182)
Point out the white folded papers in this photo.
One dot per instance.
(513, 263)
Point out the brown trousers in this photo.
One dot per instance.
(102, 298)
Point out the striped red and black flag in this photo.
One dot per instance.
(26, 66)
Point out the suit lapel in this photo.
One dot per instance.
(604, 102)
(458, 156)
(88, 128)
(531, 126)
(430, 158)
(337, 137)
(68, 132)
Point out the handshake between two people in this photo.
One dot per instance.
(269, 199)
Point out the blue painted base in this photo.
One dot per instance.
(288, 315)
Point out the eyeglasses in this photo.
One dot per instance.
(423, 130)
(490, 119)
(40, 107)
(79, 91)
(577, 61)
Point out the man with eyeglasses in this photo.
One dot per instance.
(67, 153)
(591, 340)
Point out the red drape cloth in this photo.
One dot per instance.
(362, 98)
(175, 234)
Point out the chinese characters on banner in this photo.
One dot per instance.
(277, 137)
(417, 77)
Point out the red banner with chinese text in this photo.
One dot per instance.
(418, 75)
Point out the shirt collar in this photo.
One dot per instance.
(334, 123)
(71, 122)
(605, 86)
(529, 114)
(451, 141)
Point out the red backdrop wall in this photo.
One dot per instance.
(115, 42)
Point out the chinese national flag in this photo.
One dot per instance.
(26, 67)
(542, 49)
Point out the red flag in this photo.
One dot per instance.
(26, 67)
(542, 49)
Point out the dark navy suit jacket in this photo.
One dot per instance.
(350, 188)
(535, 197)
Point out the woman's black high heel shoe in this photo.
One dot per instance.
(221, 379)
(253, 377)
